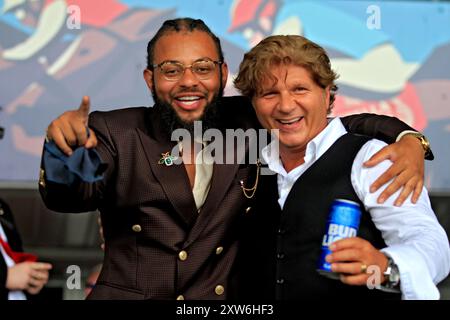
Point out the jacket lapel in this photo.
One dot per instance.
(223, 177)
(173, 179)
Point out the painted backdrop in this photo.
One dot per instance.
(393, 58)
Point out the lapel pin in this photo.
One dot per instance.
(167, 159)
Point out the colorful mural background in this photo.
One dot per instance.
(393, 58)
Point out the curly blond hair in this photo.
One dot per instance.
(284, 49)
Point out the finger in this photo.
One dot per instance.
(405, 193)
(33, 282)
(34, 289)
(392, 188)
(354, 280)
(81, 134)
(69, 133)
(92, 140)
(387, 176)
(40, 275)
(417, 191)
(42, 266)
(347, 268)
(85, 105)
(348, 243)
(346, 255)
(379, 157)
(58, 137)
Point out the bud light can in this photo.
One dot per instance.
(343, 222)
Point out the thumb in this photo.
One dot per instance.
(85, 105)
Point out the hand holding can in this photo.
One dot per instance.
(343, 222)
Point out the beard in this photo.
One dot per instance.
(172, 121)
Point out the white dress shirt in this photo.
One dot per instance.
(415, 240)
(12, 295)
(203, 177)
(204, 167)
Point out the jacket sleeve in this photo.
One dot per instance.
(3, 274)
(10, 229)
(81, 196)
(381, 127)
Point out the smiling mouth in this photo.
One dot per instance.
(289, 122)
(188, 100)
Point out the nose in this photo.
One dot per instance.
(286, 103)
(188, 79)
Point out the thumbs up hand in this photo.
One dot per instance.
(70, 130)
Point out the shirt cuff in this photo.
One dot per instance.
(416, 282)
(403, 133)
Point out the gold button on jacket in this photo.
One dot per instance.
(219, 290)
(182, 255)
(42, 178)
(136, 228)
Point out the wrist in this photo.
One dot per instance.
(421, 139)
(414, 143)
(391, 275)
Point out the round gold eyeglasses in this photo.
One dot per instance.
(173, 70)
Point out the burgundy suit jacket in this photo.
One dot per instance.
(149, 215)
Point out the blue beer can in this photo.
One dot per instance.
(343, 222)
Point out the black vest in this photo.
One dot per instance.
(280, 249)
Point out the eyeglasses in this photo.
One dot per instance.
(173, 71)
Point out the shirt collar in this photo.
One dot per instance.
(314, 149)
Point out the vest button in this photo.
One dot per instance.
(219, 250)
(280, 256)
(248, 209)
(182, 255)
(281, 231)
(280, 281)
(2, 212)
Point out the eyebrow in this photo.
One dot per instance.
(177, 61)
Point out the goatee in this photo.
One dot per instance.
(171, 121)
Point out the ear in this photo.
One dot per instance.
(253, 102)
(327, 95)
(327, 99)
(148, 77)
(224, 67)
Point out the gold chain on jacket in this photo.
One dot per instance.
(255, 186)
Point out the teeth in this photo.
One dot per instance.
(191, 98)
(290, 121)
(188, 103)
